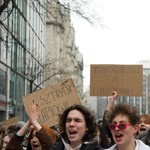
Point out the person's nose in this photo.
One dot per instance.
(142, 124)
(117, 128)
(34, 138)
(71, 123)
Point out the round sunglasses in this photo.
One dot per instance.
(121, 126)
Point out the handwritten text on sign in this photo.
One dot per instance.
(9, 122)
(53, 101)
(125, 79)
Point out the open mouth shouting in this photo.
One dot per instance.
(118, 137)
(142, 128)
(72, 133)
(35, 146)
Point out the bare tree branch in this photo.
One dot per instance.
(4, 5)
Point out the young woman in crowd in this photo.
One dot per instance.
(144, 123)
(78, 130)
(40, 137)
(6, 140)
(144, 129)
(123, 122)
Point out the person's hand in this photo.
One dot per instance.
(111, 101)
(33, 116)
(114, 96)
(33, 112)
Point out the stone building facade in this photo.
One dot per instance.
(63, 59)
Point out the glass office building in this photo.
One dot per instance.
(22, 46)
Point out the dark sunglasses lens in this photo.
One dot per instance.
(112, 126)
(121, 126)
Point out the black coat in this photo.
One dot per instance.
(60, 146)
(145, 137)
(15, 142)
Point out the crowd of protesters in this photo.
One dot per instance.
(122, 128)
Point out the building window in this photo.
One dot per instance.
(2, 82)
(12, 90)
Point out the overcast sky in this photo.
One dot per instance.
(121, 37)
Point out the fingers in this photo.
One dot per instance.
(115, 94)
(37, 106)
(33, 109)
(34, 105)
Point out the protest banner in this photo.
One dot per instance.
(53, 101)
(127, 80)
(9, 122)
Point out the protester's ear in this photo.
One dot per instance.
(136, 128)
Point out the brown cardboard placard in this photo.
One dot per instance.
(127, 80)
(53, 101)
(9, 122)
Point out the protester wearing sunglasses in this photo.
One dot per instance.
(123, 123)
(121, 126)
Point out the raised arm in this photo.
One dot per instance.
(111, 101)
(17, 139)
(105, 129)
(33, 116)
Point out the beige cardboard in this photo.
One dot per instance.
(127, 80)
(52, 101)
(9, 122)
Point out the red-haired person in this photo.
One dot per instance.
(40, 136)
(144, 129)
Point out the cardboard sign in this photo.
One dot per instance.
(127, 80)
(53, 101)
(9, 122)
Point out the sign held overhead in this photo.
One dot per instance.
(53, 101)
(127, 80)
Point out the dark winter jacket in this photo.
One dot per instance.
(16, 141)
(145, 137)
(46, 143)
(89, 146)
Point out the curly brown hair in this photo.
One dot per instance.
(124, 109)
(89, 119)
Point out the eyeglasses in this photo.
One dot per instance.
(121, 126)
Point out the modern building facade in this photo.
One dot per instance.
(145, 101)
(22, 46)
(24, 33)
